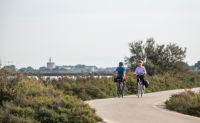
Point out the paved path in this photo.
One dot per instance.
(131, 109)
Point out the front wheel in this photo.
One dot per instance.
(118, 90)
(138, 90)
(121, 90)
(141, 89)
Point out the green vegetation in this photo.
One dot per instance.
(167, 81)
(187, 102)
(157, 58)
(28, 100)
(89, 87)
(12, 67)
(85, 87)
(197, 65)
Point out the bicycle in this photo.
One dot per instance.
(140, 86)
(120, 90)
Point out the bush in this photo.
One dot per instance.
(26, 99)
(187, 102)
(86, 87)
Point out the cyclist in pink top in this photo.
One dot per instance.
(140, 70)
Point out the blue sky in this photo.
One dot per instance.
(93, 32)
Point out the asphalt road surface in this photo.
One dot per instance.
(132, 109)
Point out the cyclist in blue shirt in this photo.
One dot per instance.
(120, 72)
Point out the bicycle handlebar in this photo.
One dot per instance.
(140, 75)
(119, 79)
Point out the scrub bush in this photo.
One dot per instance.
(29, 100)
(86, 87)
(187, 102)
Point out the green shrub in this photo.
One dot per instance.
(26, 99)
(187, 102)
(86, 87)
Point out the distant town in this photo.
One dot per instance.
(52, 67)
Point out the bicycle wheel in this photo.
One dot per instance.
(141, 88)
(118, 91)
(138, 89)
(121, 88)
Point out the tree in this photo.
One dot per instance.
(44, 69)
(157, 58)
(22, 70)
(29, 69)
(55, 69)
(197, 65)
(12, 67)
(63, 69)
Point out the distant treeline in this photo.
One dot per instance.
(67, 74)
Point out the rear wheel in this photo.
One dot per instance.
(141, 89)
(138, 90)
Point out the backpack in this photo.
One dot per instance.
(146, 83)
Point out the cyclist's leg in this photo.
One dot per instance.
(124, 83)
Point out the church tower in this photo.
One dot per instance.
(50, 65)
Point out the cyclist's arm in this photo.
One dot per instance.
(116, 73)
(124, 73)
(135, 72)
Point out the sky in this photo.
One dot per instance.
(93, 32)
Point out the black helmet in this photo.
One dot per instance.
(121, 63)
